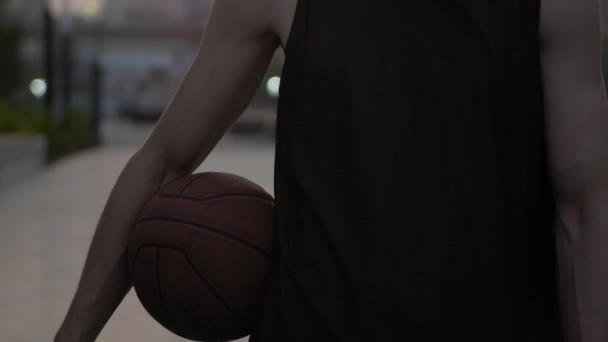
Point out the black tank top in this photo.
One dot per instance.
(413, 199)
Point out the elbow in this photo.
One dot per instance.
(582, 197)
(569, 195)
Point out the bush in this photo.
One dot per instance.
(27, 120)
(71, 134)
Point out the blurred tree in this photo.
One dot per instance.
(10, 41)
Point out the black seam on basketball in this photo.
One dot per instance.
(203, 279)
(160, 290)
(193, 319)
(205, 321)
(139, 248)
(209, 324)
(190, 182)
(190, 314)
(231, 194)
(211, 229)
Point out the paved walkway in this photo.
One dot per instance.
(47, 223)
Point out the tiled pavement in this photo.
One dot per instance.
(47, 222)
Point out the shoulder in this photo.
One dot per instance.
(564, 22)
(248, 17)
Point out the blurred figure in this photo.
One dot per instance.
(440, 169)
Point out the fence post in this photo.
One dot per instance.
(49, 60)
(95, 101)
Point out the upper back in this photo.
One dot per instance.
(426, 45)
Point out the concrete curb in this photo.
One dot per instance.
(21, 156)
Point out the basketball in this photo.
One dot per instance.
(200, 254)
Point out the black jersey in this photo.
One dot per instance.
(413, 198)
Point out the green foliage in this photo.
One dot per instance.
(28, 120)
(71, 134)
(6, 121)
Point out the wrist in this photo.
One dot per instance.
(68, 335)
(73, 331)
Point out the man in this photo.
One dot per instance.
(441, 169)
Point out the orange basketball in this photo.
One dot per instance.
(200, 255)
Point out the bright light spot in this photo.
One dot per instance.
(272, 86)
(38, 87)
(91, 9)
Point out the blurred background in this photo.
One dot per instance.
(92, 61)
(82, 83)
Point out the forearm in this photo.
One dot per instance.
(105, 280)
(582, 244)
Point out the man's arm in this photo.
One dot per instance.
(233, 56)
(577, 129)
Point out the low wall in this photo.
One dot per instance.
(21, 156)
